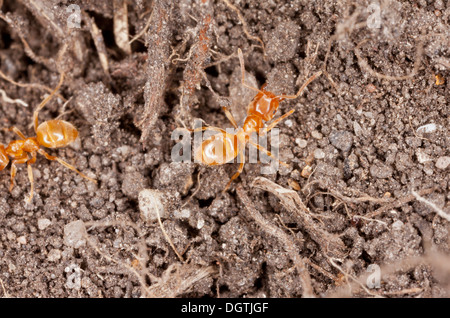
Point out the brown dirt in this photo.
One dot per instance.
(357, 127)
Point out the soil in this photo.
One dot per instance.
(367, 190)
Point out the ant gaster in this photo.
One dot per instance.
(224, 147)
(49, 134)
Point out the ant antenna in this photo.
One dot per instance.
(45, 101)
(241, 60)
(300, 91)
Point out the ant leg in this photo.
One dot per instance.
(14, 170)
(300, 91)
(261, 148)
(241, 168)
(230, 117)
(206, 128)
(16, 131)
(241, 61)
(65, 164)
(276, 121)
(45, 101)
(30, 175)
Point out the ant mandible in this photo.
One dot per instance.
(224, 147)
(49, 134)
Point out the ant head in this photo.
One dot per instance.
(264, 105)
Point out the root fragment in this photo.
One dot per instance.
(331, 244)
(439, 211)
(244, 25)
(364, 65)
(273, 230)
(6, 99)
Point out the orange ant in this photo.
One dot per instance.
(50, 134)
(224, 147)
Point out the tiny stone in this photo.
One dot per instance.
(22, 240)
(427, 128)
(306, 171)
(150, 205)
(319, 153)
(124, 151)
(54, 255)
(200, 223)
(397, 225)
(288, 123)
(422, 157)
(342, 140)
(302, 143)
(43, 223)
(428, 170)
(357, 129)
(10, 235)
(182, 214)
(75, 234)
(316, 135)
(443, 162)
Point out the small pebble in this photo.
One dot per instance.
(54, 255)
(357, 129)
(182, 214)
(443, 162)
(319, 153)
(302, 143)
(316, 135)
(422, 157)
(150, 205)
(427, 128)
(342, 140)
(43, 223)
(200, 223)
(22, 240)
(75, 234)
(288, 123)
(306, 171)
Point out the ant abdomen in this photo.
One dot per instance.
(56, 133)
(4, 159)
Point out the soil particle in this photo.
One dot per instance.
(133, 182)
(442, 163)
(342, 140)
(238, 244)
(396, 243)
(283, 41)
(75, 234)
(100, 108)
(381, 171)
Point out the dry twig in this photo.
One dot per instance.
(158, 41)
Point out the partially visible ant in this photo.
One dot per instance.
(224, 147)
(50, 134)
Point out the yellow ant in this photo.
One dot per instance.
(224, 147)
(50, 134)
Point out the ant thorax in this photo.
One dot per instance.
(253, 123)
